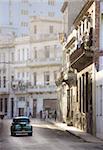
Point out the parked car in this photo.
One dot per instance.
(21, 125)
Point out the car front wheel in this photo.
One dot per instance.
(30, 134)
(13, 134)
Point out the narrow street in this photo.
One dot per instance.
(45, 137)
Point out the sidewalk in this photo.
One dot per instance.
(77, 132)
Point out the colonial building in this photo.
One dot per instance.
(33, 48)
(6, 73)
(37, 61)
(99, 73)
(18, 13)
(81, 79)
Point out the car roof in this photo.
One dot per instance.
(21, 117)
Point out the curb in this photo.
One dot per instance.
(78, 136)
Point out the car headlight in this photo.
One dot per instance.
(28, 127)
(18, 127)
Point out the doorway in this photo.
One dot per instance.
(21, 111)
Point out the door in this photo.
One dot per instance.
(34, 107)
(12, 107)
(21, 111)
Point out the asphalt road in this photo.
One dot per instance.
(45, 137)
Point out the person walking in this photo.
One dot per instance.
(46, 114)
(55, 115)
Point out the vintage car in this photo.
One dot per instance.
(21, 125)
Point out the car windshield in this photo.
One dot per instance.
(21, 120)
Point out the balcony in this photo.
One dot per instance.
(44, 37)
(44, 62)
(23, 88)
(82, 56)
(4, 91)
(42, 89)
(69, 76)
(20, 64)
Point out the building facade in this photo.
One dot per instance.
(6, 73)
(99, 73)
(18, 12)
(32, 44)
(37, 59)
(80, 81)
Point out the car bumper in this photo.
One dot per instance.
(22, 132)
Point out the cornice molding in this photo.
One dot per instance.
(65, 4)
(83, 12)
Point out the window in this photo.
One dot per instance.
(18, 54)
(51, 2)
(80, 29)
(76, 90)
(1, 105)
(27, 53)
(24, 1)
(23, 54)
(6, 105)
(35, 29)
(24, 24)
(4, 70)
(24, 12)
(34, 76)
(51, 14)
(27, 75)
(87, 24)
(80, 94)
(22, 99)
(0, 81)
(83, 26)
(86, 91)
(46, 78)
(12, 78)
(12, 57)
(23, 74)
(10, 23)
(101, 100)
(83, 93)
(47, 51)
(35, 53)
(50, 29)
(3, 57)
(4, 81)
(18, 75)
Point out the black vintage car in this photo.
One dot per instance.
(21, 125)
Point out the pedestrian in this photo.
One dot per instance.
(55, 115)
(41, 114)
(30, 115)
(46, 113)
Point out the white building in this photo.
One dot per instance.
(6, 73)
(37, 61)
(99, 77)
(36, 55)
(16, 14)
